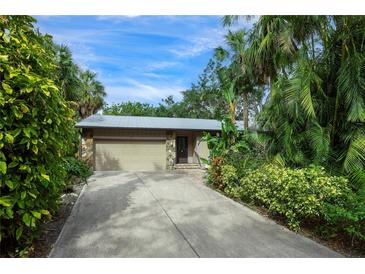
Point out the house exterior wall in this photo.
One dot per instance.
(196, 148)
(110, 133)
(201, 149)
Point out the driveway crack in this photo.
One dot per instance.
(169, 217)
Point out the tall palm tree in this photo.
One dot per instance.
(316, 108)
(93, 94)
(237, 54)
(68, 73)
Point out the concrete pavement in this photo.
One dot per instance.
(170, 214)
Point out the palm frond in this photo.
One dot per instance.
(355, 155)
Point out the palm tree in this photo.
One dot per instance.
(314, 67)
(93, 94)
(68, 74)
(237, 55)
(316, 108)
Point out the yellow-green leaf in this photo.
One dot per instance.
(45, 176)
(9, 138)
(10, 184)
(36, 214)
(45, 212)
(2, 167)
(26, 132)
(6, 201)
(7, 88)
(3, 58)
(27, 219)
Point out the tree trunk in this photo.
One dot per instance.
(245, 111)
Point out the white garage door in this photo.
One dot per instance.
(130, 155)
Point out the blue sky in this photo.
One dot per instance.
(139, 58)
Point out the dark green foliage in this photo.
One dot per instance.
(36, 130)
(76, 168)
(348, 218)
(166, 109)
(316, 106)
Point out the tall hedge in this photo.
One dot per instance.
(36, 129)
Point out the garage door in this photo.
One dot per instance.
(130, 155)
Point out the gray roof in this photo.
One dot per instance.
(108, 121)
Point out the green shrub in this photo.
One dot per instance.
(229, 175)
(296, 194)
(77, 168)
(245, 162)
(348, 218)
(36, 129)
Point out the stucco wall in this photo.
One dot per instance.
(201, 148)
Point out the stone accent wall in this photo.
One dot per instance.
(87, 147)
(170, 150)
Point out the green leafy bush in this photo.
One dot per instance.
(36, 131)
(229, 175)
(77, 168)
(348, 218)
(296, 194)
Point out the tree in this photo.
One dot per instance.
(316, 109)
(130, 109)
(68, 74)
(92, 94)
(36, 130)
(238, 69)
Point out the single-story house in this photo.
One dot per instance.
(134, 143)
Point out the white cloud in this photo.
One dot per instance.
(116, 18)
(161, 65)
(133, 90)
(201, 43)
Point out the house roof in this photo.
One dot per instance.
(141, 122)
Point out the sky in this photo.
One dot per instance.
(139, 58)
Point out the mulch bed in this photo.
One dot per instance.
(49, 232)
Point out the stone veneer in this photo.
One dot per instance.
(87, 147)
(170, 150)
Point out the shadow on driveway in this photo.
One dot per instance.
(169, 214)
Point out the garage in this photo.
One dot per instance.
(137, 143)
(130, 155)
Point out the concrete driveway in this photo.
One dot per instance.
(170, 214)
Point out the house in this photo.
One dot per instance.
(134, 143)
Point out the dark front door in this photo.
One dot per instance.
(182, 149)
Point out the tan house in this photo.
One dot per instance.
(133, 143)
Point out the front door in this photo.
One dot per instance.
(182, 149)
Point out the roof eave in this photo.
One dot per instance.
(117, 127)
